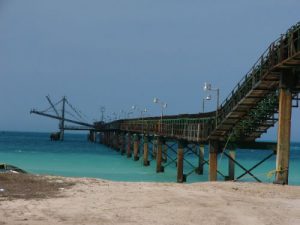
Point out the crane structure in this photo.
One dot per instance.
(76, 117)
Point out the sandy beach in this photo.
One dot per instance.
(94, 201)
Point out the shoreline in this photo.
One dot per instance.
(96, 201)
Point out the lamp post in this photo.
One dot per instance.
(102, 110)
(207, 98)
(134, 107)
(207, 87)
(163, 106)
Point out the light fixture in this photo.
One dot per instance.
(163, 106)
(207, 86)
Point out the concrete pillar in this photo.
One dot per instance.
(231, 164)
(129, 145)
(284, 130)
(213, 161)
(146, 151)
(180, 155)
(200, 169)
(159, 167)
(136, 147)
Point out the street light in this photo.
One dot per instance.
(134, 107)
(207, 98)
(163, 106)
(207, 87)
(102, 110)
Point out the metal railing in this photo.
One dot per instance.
(283, 48)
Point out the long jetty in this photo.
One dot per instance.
(264, 96)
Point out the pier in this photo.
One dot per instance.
(262, 98)
(265, 96)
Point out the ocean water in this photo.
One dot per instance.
(76, 157)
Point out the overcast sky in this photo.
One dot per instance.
(119, 53)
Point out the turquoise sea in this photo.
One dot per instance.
(75, 157)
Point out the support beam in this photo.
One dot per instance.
(154, 148)
(284, 129)
(108, 139)
(136, 143)
(165, 152)
(159, 167)
(213, 160)
(123, 143)
(129, 145)
(231, 164)
(111, 140)
(180, 155)
(117, 146)
(92, 136)
(201, 161)
(146, 151)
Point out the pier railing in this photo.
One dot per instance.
(276, 55)
(191, 129)
(284, 47)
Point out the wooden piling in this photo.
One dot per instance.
(213, 161)
(118, 142)
(123, 143)
(129, 145)
(284, 130)
(180, 155)
(231, 164)
(159, 167)
(201, 161)
(136, 148)
(108, 139)
(113, 140)
(165, 152)
(154, 148)
(146, 151)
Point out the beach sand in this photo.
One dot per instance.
(94, 201)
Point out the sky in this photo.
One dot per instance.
(119, 53)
